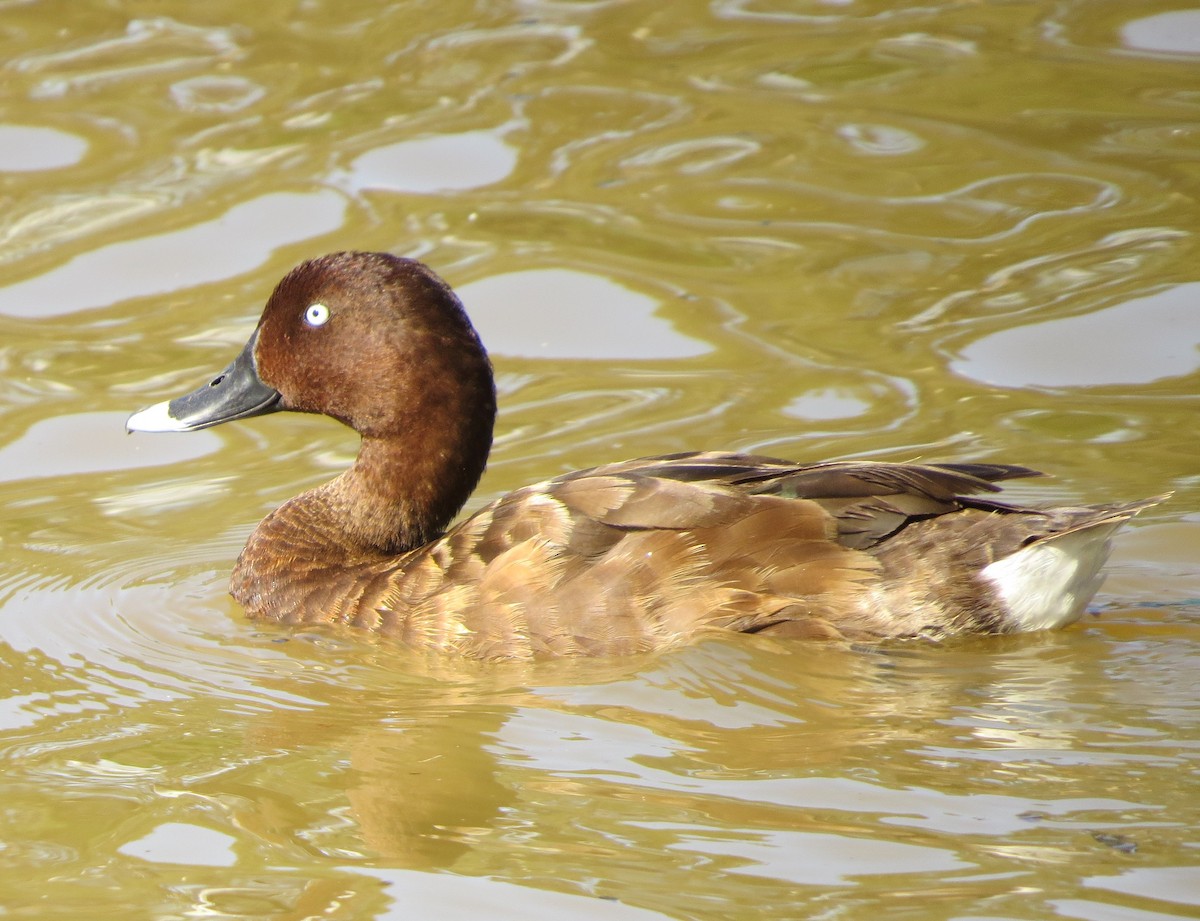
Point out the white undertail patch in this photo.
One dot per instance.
(1049, 583)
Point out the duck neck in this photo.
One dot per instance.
(395, 497)
(398, 495)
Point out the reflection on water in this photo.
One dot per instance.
(1177, 32)
(826, 404)
(817, 229)
(830, 860)
(562, 313)
(24, 148)
(143, 49)
(1138, 342)
(215, 94)
(48, 448)
(414, 894)
(240, 240)
(178, 842)
(434, 164)
(1171, 884)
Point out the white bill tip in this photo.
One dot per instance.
(156, 418)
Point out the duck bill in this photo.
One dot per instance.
(236, 393)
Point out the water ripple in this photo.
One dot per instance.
(148, 48)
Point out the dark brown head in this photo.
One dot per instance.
(378, 342)
(381, 344)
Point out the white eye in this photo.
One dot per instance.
(316, 315)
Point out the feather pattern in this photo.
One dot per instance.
(647, 554)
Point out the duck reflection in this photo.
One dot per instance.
(462, 765)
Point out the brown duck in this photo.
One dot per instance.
(623, 558)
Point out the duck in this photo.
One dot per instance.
(628, 557)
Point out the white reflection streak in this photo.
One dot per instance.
(1001, 278)
(596, 750)
(1107, 195)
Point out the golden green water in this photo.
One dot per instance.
(955, 230)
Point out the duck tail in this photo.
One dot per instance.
(1048, 583)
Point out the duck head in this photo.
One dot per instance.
(373, 340)
(379, 343)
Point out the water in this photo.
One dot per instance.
(815, 229)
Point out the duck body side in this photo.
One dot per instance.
(649, 554)
(624, 558)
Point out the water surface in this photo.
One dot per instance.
(814, 229)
